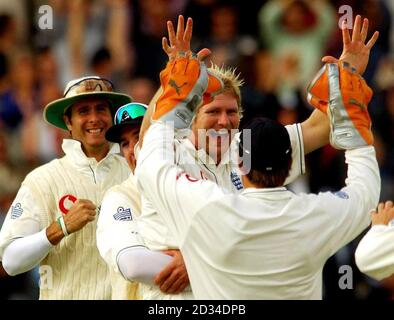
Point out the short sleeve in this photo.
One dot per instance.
(298, 156)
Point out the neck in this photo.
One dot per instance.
(218, 159)
(194, 141)
(248, 184)
(98, 153)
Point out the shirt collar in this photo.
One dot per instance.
(277, 193)
(73, 150)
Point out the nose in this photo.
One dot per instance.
(131, 148)
(94, 116)
(223, 120)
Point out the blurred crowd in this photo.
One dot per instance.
(276, 45)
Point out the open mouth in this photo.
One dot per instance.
(95, 131)
(222, 133)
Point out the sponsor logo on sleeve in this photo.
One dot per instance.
(236, 180)
(16, 211)
(123, 214)
(341, 194)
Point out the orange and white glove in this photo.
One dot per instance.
(186, 84)
(340, 92)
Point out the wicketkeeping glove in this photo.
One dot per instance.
(186, 83)
(343, 94)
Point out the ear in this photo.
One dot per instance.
(68, 122)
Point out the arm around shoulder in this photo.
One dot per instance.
(375, 252)
(374, 255)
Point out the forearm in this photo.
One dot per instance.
(23, 254)
(139, 264)
(156, 157)
(315, 131)
(363, 179)
(75, 26)
(54, 233)
(148, 116)
(117, 37)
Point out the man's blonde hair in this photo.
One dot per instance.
(231, 80)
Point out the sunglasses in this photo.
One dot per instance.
(90, 84)
(129, 112)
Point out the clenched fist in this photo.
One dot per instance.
(82, 212)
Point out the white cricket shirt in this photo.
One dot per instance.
(262, 243)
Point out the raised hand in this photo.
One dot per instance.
(355, 51)
(179, 44)
(384, 214)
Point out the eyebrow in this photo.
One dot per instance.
(102, 104)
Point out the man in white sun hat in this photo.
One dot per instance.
(52, 221)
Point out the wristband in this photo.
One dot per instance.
(62, 225)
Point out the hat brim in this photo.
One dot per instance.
(114, 133)
(54, 111)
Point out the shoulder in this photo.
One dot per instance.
(48, 169)
(120, 161)
(120, 190)
(112, 192)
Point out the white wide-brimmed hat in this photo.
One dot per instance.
(91, 86)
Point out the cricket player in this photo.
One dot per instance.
(234, 244)
(118, 238)
(52, 221)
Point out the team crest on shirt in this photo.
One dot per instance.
(236, 180)
(66, 202)
(16, 211)
(123, 214)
